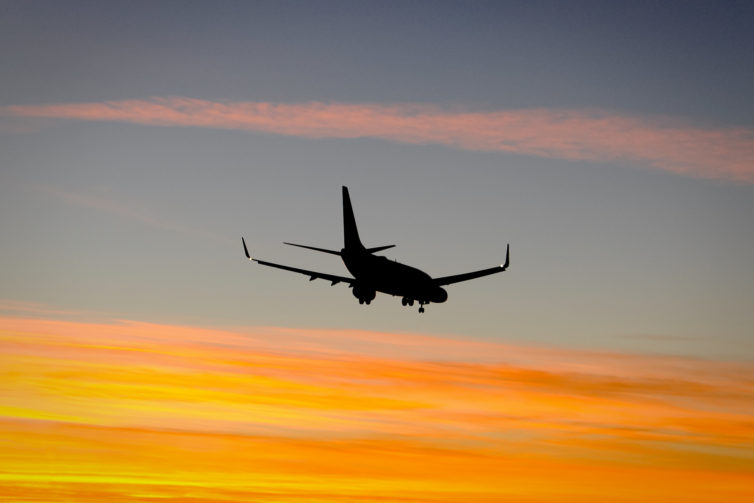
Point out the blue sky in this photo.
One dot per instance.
(633, 233)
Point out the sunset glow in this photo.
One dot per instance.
(601, 152)
(97, 411)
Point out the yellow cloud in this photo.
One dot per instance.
(134, 411)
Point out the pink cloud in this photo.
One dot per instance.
(591, 135)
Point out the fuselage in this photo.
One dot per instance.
(380, 274)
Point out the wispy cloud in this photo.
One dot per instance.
(592, 135)
(27, 308)
(128, 409)
(129, 210)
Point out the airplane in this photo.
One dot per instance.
(375, 273)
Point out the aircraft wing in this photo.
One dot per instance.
(332, 278)
(457, 278)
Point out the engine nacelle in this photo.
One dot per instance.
(364, 294)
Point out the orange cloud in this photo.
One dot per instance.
(592, 135)
(128, 410)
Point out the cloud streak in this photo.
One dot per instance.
(128, 409)
(590, 135)
(129, 210)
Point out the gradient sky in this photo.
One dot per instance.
(611, 144)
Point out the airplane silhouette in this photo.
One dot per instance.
(375, 273)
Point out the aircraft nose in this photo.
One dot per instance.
(439, 295)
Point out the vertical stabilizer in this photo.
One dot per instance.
(350, 233)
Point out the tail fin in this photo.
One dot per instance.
(350, 232)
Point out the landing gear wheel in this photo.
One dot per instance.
(421, 309)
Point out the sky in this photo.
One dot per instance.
(610, 144)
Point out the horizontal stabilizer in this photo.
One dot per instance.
(379, 248)
(332, 252)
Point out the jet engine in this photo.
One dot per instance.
(364, 294)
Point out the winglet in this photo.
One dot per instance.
(507, 257)
(246, 250)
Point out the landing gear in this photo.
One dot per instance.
(365, 294)
(408, 301)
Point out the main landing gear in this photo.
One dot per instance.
(406, 301)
